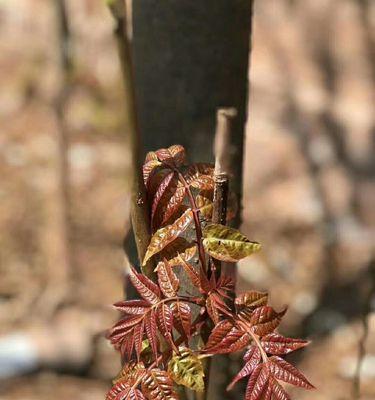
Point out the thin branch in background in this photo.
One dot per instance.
(139, 204)
(365, 331)
(58, 248)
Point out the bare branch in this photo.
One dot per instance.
(139, 205)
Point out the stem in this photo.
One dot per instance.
(139, 205)
(253, 336)
(198, 228)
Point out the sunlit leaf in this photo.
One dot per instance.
(200, 176)
(264, 320)
(227, 338)
(159, 194)
(130, 372)
(191, 271)
(179, 248)
(182, 318)
(253, 358)
(174, 155)
(132, 307)
(227, 244)
(119, 388)
(148, 169)
(286, 372)
(145, 286)
(252, 299)
(151, 331)
(186, 369)
(277, 390)
(203, 201)
(158, 385)
(166, 235)
(258, 382)
(276, 344)
(171, 202)
(167, 279)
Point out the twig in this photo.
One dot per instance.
(59, 252)
(365, 332)
(139, 205)
(224, 118)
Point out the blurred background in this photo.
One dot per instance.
(309, 193)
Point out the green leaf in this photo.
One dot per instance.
(187, 369)
(227, 244)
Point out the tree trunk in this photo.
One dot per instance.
(191, 58)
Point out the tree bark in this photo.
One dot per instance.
(190, 59)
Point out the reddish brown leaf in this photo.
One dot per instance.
(132, 307)
(216, 306)
(149, 168)
(253, 358)
(171, 201)
(159, 194)
(235, 341)
(151, 155)
(182, 318)
(166, 235)
(158, 385)
(192, 272)
(276, 344)
(218, 334)
(123, 326)
(252, 299)
(227, 338)
(264, 320)
(205, 206)
(286, 372)
(165, 320)
(167, 279)
(119, 391)
(179, 248)
(145, 287)
(127, 345)
(258, 382)
(130, 373)
(277, 390)
(200, 176)
(174, 155)
(151, 331)
(212, 310)
(138, 338)
(134, 394)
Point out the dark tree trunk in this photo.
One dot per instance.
(191, 57)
